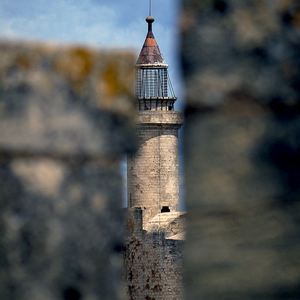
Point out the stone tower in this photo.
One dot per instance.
(155, 227)
(152, 172)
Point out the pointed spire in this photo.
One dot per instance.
(150, 53)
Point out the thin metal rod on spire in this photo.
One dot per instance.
(150, 7)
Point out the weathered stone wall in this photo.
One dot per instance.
(242, 72)
(153, 264)
(152, 175)
(65, 122)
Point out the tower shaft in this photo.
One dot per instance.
(153, 182)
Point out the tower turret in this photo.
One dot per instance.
(154, 90)
(153, 171)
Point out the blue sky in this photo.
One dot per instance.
(106, 23)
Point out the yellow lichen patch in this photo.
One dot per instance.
(75, 65)
(26, 60)
(23, 62)
(114, 82)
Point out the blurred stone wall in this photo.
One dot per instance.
(241, 66)
(66, 119)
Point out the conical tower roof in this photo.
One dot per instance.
(150, 53)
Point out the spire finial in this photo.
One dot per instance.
(149, 20)
(150, 7)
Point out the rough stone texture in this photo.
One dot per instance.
(66, 119)
(242, 70)
(152, 173)
(153, 264)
